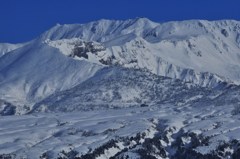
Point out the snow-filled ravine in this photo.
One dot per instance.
(163, 131)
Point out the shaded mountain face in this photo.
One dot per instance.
(117, 87)
(200, 52)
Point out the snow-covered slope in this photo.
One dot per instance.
(160, 131)
(116, 87)
(37, 70)
(140, 54)
(101, 31)
(6, 47)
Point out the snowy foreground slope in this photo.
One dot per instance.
(163, 131)
(123, 89)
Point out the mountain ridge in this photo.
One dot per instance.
(202, 52)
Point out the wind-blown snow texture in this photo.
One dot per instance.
(119, 89)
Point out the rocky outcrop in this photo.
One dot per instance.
(7, 108)
(81, 49)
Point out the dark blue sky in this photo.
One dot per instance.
(23, 20)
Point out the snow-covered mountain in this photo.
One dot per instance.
(171, 49)
(123, 89)
(202, 52)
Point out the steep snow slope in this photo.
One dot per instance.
(37, 70)
(6, 47)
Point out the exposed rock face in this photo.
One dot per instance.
(81, 49)
(225, 32)
(238, 39)
(7, 108)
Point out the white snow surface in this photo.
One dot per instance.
(7, 47)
